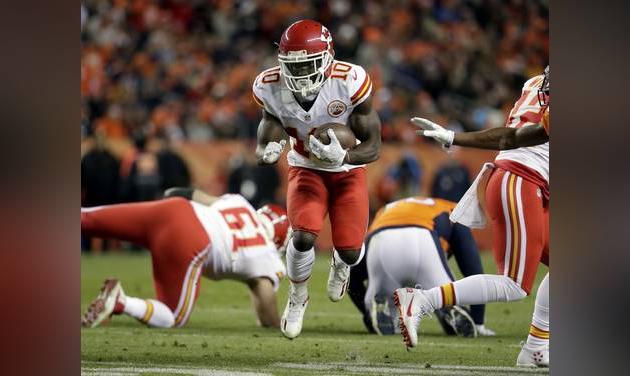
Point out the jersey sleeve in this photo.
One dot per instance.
(359, 85)
(265, 264)
(261, 89)
(527, 110)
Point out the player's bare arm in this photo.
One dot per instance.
(503, 138)
(264, 302)
(366, 126)
(500, 138)
(271, 139)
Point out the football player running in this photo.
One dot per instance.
(190, 234)
(307, 90)
(514, 193)
(407, 245)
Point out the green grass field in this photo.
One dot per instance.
(222, 338)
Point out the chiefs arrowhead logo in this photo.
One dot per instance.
(336, 108)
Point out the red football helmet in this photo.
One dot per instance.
(276, 223)
(306, 55)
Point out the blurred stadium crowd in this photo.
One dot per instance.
(165, 72)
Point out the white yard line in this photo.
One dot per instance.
(407, 369)
(132, 369)
(128, 369)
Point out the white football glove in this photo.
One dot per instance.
(435, 131)
(482, 331)
(272, 151)
(332, 153)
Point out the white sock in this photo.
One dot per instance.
(539, 330)
(338, 259)
(476, 289)
(299, 267)
(151, 312)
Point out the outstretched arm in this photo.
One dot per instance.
(366, 126)
(264, 302)
(502, 138)
(271, 139)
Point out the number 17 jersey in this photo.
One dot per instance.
(347, 86)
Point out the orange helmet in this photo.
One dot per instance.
(306, 55)
(276, 223)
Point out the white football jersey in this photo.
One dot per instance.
(347, 86)
(239, 247)
(526, 112)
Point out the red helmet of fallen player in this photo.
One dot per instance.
(276, 223)
(306, 55)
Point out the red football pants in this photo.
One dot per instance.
(520, 226)
(176, 239)
(343, 195)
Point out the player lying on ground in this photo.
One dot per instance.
(406, 246)
(514, 193)
(307, 91)
(218, 237)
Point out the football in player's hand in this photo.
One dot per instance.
(343, 132)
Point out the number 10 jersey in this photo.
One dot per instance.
(347, 86)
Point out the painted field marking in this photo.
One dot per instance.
(132, 369)
(128, 369)
(406, 369)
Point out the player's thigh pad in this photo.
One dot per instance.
(178, 251)
(307, 199)
(349, 208)
(516, 210)
(433, 268)
(382, 278)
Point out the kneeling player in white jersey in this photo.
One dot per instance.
(307, 91)
(408, 244)
(219, 237)
(514, 193)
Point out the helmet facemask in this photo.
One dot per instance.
(269, 223)
(303, 73)
(543, 90)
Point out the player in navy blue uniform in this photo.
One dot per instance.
(408, 243)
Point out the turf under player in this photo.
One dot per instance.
(407, 244)
(514, 193)
(218, 237)
(307, 90)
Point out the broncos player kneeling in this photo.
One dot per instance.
(407, 244)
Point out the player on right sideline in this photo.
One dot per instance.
(514, 193)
